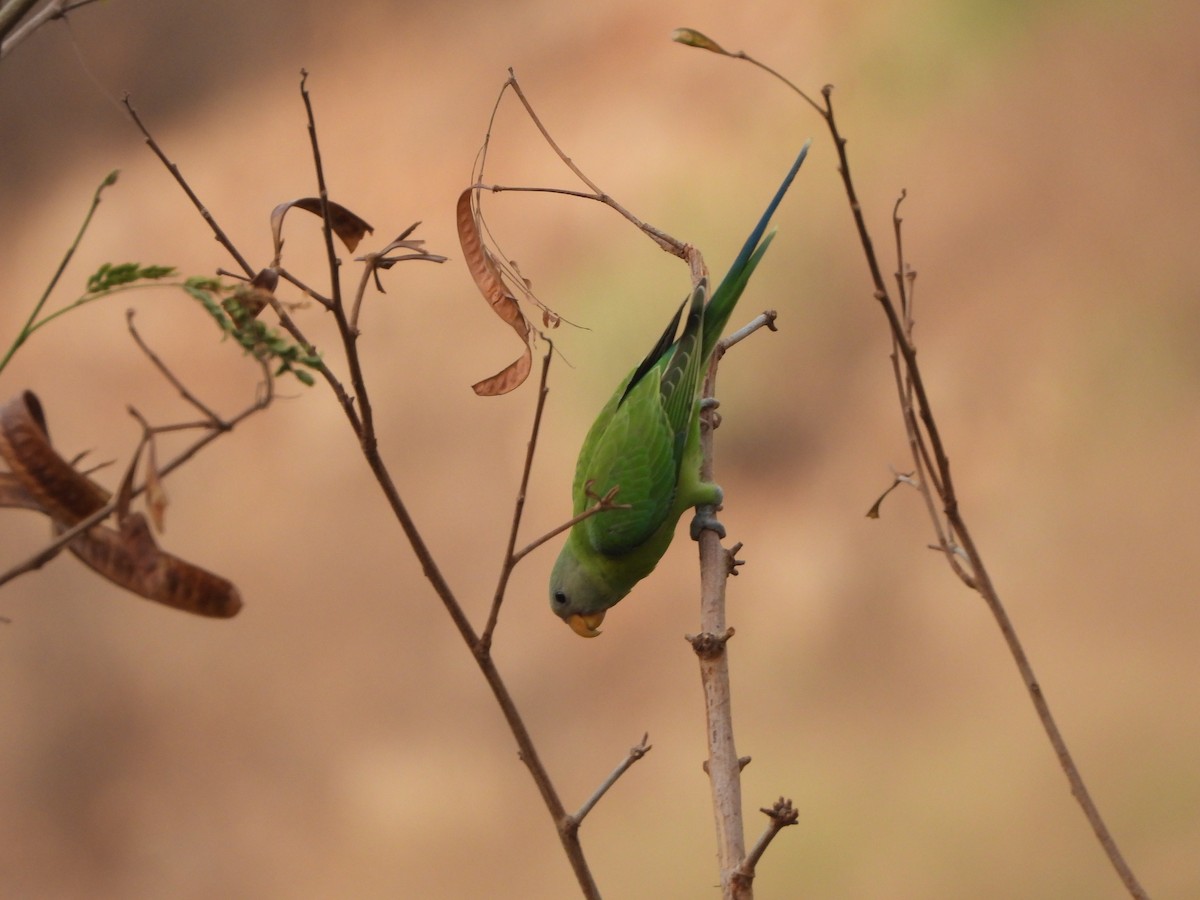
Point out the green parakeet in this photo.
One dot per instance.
(646, 440)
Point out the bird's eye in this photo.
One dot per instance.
(560, 598)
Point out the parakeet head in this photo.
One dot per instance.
(579, 594)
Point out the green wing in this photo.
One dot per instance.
(637, 440)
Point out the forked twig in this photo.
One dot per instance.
(782, 814)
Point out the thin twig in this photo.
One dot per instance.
(218, 232)
(510, 557)
(31, 323)
(663, 239)
(635, 753)
(608, 501)
(52, 549)
(213, 429)
(214, 420)
(764, 320)
(782, 814)
(979, 573)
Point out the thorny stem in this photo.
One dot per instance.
(927, 442)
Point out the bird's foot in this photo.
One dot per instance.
(705, 519)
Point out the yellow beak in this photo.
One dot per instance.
(586, 626)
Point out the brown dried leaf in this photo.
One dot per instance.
(129, 558)
(486, 274)
(510, 378)
(693, 38)
(346, 225)
(248, 300)
(42, 480)
(15, 495)
(62, 492)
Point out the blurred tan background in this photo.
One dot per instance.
(336, 740)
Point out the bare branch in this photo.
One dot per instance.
(213, 419)
(511, 558)
(602, 504)
(723, 765)
(765, 320)
(635, 753)
(782, 814)
(218, 232)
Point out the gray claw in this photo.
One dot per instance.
(705, 519)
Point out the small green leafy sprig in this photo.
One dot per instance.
(235, 315)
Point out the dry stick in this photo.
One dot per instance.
(11, 13)
(214, 420)
(510, 558)
(664, 240)
(364, 429)
(608, 501)
(723, 765)
(782, 814)
(218, 232)
(217, 426)
(222, 238)
(635, 753)
(923, 431)
(925, 470)
(52, 549)
(213, 430)
(565, 825)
